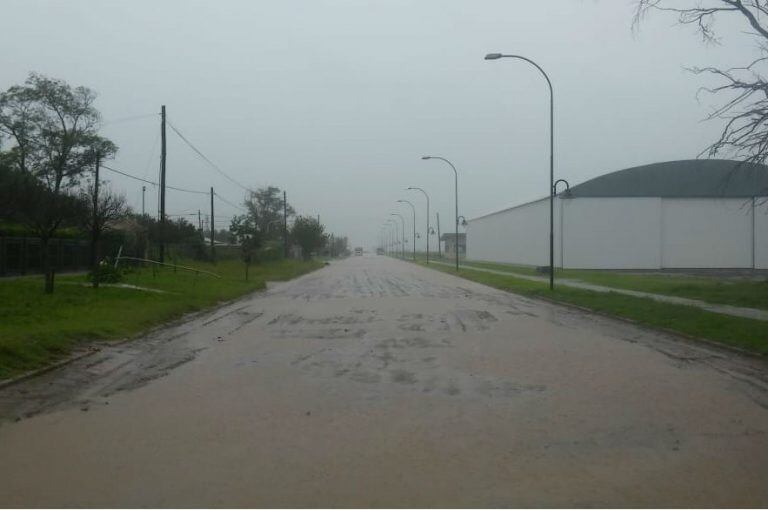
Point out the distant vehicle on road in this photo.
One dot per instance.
(379, 251)
(358, 251)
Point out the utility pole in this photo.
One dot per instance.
(162, 183)
(213, 228)
(200, 224)
(439, 245)
(143, 194)
(95, 226)
(285, 225)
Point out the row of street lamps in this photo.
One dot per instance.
(552, 183)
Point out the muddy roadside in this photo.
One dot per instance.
(100, 369)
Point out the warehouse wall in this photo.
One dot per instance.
(519, 235)
(706, 232)
(627, 233)
(761, 232)
(611, 233)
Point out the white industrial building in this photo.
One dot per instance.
(678, 214)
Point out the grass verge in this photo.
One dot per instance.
(711, 289)
(747, 334)
(37, 329)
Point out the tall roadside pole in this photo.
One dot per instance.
(413, 210)
(439, 246)
(162, 183)
(143, 194)
(94, 226)
(456, 202)
(427, 197)
(213, 229)
(497, 56)
(285, 225)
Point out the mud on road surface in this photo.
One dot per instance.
(374, 382)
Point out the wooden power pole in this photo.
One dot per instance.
(95, 225)
(162, 183)
(213, 228)
(285, 225)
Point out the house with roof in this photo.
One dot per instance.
(678, 214)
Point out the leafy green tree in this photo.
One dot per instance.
(309, 234)
(247, 234)
(265, 210)
(53, 130)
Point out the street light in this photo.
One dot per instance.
(496, 56)
(456, 201)
(567, 186)
(413, 210)
(403, 232)
(427, 197)
(394, 223)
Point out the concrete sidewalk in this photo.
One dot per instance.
(734, 311)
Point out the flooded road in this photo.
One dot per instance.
(374, 382)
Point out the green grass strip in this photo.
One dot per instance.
(37, 329)
(748, 334)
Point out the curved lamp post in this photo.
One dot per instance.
(391, 235)
(397, 233)
(456, 201)
(554, 186)
(496, 56)
(413, 210)
(427, 197)
(403, 232)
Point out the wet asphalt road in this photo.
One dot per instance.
(374, 382)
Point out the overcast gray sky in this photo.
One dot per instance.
(336, 101)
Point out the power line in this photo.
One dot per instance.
(128, 175)
(151, 182)
(127, 119)
(228, 202)
(205, 158)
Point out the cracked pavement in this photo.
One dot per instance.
(375, 382)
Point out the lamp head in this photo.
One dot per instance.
(426, 157)
(493, 56)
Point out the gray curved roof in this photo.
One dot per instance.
(687, 178)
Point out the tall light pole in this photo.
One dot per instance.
(456, 201)
(397, 235)
(496, 56)
(427, 197)
(413, 210)
(403, 232)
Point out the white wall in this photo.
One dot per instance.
(519, 235)
(611, 233)
(627, 233)
(761, 233)
(707, 232)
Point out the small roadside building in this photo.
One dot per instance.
(678, 214)
(449, 246)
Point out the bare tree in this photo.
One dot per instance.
(106, 208)
(745, 109)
